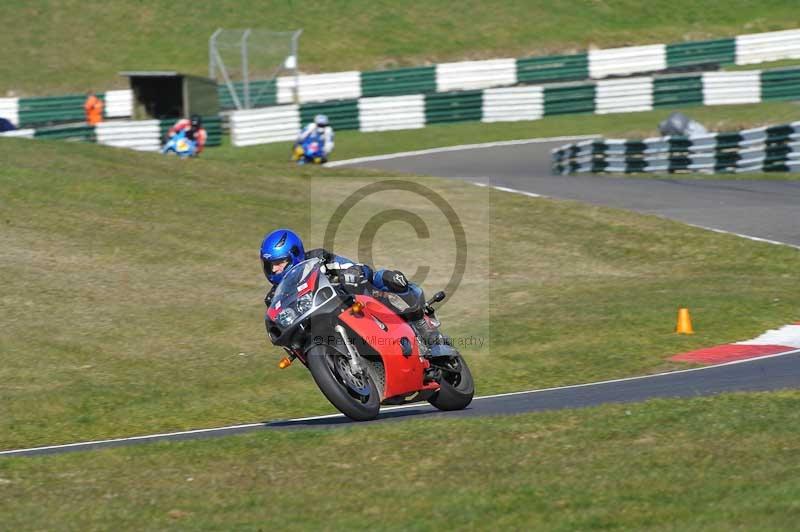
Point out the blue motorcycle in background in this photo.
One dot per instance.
(180, 145)
(309, 151)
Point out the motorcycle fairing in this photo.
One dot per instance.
(404, 373)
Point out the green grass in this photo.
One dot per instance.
(783, 63)
(74, 45)
(132, 293)
(723, 463)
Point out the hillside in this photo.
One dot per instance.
(132, 291)
(74, 45)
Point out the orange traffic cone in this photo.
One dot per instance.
(684, 322)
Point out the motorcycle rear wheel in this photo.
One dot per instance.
(357, 397)
(457, 386)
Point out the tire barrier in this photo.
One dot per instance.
(142, 135)
(491, 73)
(9, 109)
(765, 149)
(624, 95)
(54, 110)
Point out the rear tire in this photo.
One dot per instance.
(323, 363)
(456, 389)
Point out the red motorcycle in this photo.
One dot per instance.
(361, 348)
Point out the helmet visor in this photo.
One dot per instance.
(276, 265)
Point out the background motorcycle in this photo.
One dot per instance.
(180, 145)
(361, 351)
(309, 151)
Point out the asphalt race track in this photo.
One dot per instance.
(774, 372)
(766, 210)
(762, 209)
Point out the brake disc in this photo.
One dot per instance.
(358, 383)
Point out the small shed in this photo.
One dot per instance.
(165, 94)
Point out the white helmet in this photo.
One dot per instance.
(321, 120)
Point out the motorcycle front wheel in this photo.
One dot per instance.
(457, 386)
(354, 395)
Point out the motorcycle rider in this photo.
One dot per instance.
(194, 131)
(282, 248)
(321, 127)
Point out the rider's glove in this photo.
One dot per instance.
(394, 280)
(367, 272)
(353, 276)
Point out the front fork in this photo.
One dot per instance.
(355, 365)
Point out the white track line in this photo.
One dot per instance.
(475, 180)
(714, 229)
(755, 238)
(640, 377)
(132, 438)
(456, 148)
(387, 409)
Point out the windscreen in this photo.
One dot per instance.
(294, 277)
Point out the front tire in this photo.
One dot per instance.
(457, 386)
(357, 397)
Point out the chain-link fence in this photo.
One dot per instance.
(247, 62)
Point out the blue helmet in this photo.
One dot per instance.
(279, 246)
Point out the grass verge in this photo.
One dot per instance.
(721, 463)
(132, 300)
(783, 63)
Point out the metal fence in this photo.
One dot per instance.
(246, 61)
